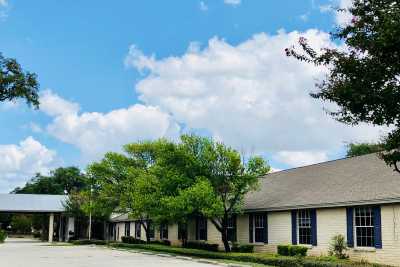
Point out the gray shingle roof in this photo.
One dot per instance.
(351, 181)
(32, 203)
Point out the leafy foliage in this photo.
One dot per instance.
(3, 236)
(21, 224)
(359, 149)
(221, 182)
(59, 182)
(338, 247)
(15, 83)
(292, 250)
(364, 79)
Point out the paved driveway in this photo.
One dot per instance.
(28, 253)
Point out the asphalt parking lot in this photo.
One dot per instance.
(30, 253)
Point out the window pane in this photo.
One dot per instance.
(364, 224)
(304, 226)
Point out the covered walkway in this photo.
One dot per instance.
(53, 205)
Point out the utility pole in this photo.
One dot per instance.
(90, 208)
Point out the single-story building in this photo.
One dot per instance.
(357, 197)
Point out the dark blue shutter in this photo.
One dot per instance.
(350, 227)
(251, 228)
(377, 227)
(265, 227)
(294, 227)
(313, 214)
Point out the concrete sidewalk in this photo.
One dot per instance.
(29, 253)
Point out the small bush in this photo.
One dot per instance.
(246, 248)
(3, 236)
(290, 250)
(202, 245)
(283, 250)
(338, 247)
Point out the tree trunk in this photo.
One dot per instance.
(146, 226)
(225, 240)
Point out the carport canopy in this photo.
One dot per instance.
(34, 203)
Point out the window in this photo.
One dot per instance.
(364, 226)
(259, 231)
(138, 230)
(182, 231)
(151, 229)
(127, 228)
(163, 231)
(231, 229)
(201, 231)
(304, 226)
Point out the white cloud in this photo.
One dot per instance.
(3, 3)
(95, 133)
(250, 95)
(233, 2)
(203, 6)
(344, 17)
(20, 162)
(301, 158)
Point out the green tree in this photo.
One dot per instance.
(21, 224)
(59, 182)
(222, 182)
(359, 149)
(363, 80)
(16, 83)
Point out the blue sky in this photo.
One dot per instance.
(112, 73)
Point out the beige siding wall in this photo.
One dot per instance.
(330, 222)
(242, 224)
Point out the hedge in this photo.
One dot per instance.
(290, 250)
(88, 242)
(133, 240)
(242, 248)
(201, 245)
(261, 258)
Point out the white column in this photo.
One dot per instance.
(51, 227)
(70, 226)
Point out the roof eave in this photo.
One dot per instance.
(328, 205)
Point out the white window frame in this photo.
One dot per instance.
(307, 225)
(371, 219)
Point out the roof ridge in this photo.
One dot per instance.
(320, 163)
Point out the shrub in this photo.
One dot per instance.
(131, 240)
(290, 250)
(202, 245)
(338, 247)
(283, 250)
(246, 248)
(3, 236)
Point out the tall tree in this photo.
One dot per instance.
(363, 79)
(17, 83)
(61, 181)
(223, 181)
